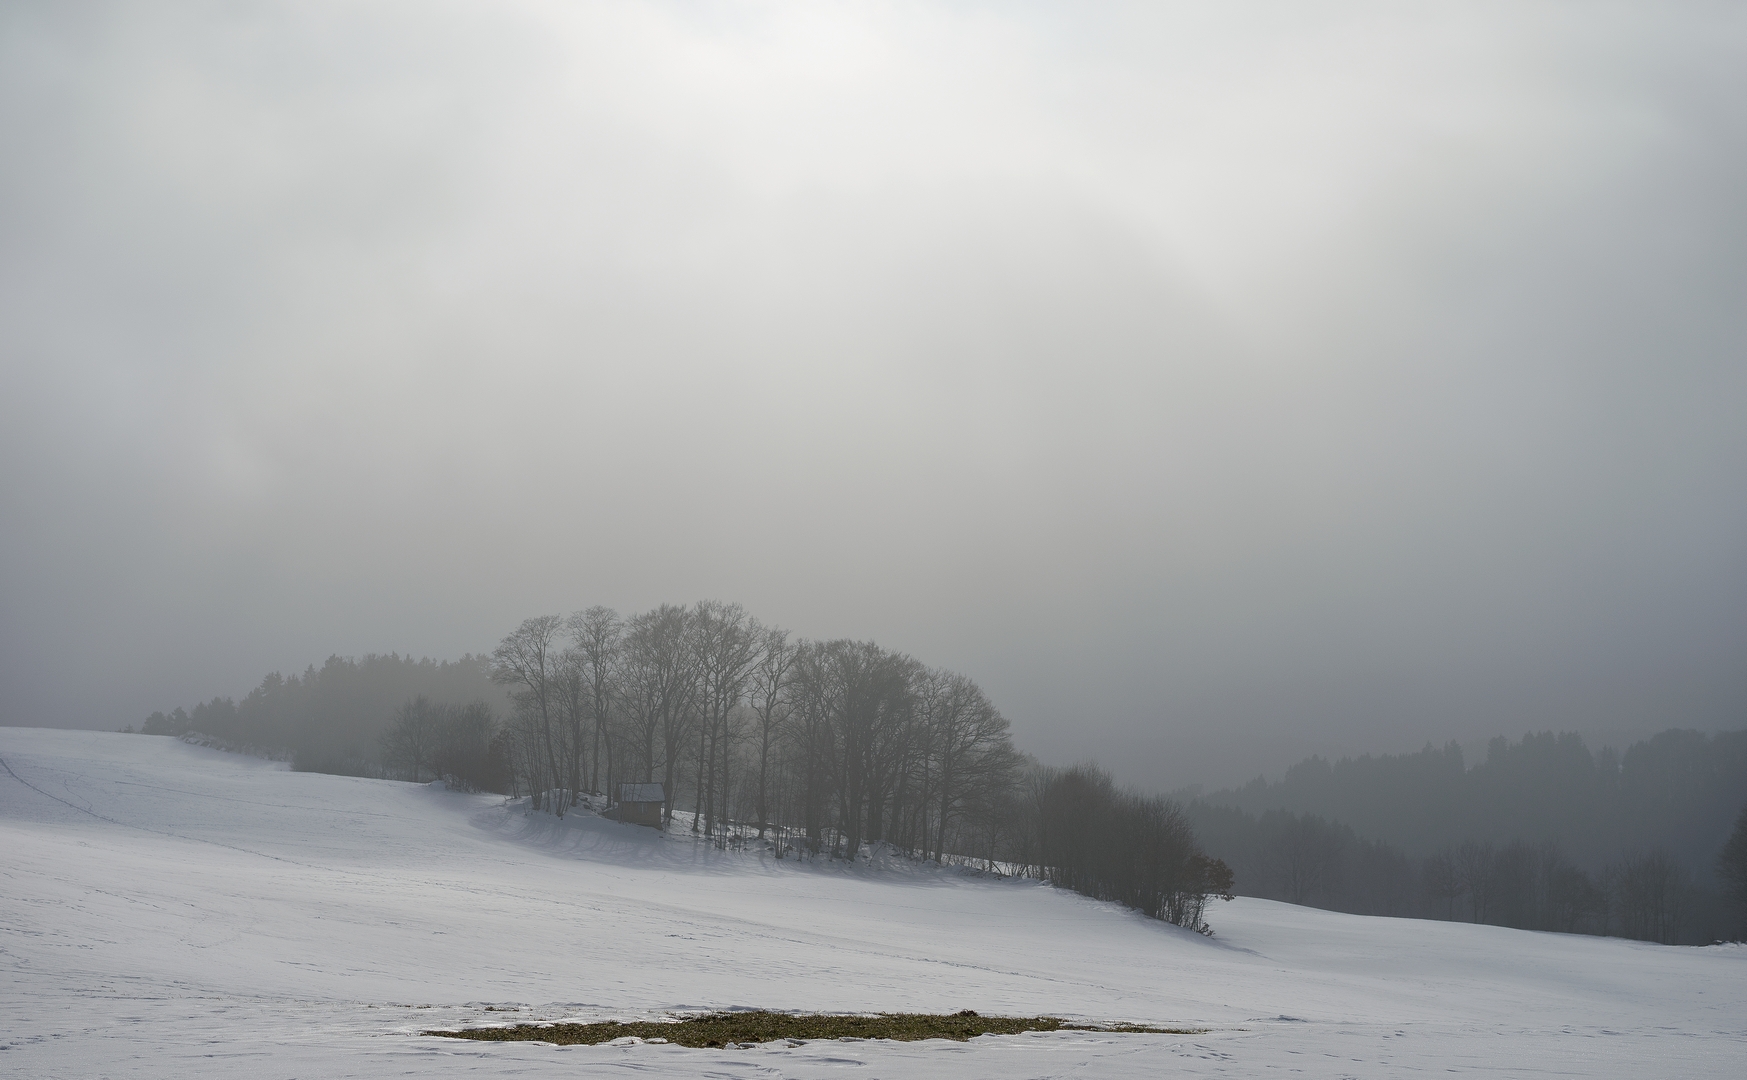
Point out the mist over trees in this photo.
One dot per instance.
(333, 719)
(1116, 845)
(823, 748)
(827, 749)
(843, 742)
(1542, 834)
(834, 749)
(1680, 790)
(455, 743)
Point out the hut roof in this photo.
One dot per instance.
(641, 793)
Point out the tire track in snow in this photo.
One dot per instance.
(239, 801)
(142, 828)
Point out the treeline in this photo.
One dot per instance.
(1543, 835)
(831, 749)
(333, 719)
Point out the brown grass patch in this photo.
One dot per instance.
(725, 1029)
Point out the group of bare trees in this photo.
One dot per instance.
(833, 746)
(1111, 844)
(1535, 887)
(1529, 886)
(842, 743)
(456, 743)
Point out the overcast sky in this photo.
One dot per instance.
(1215, 384)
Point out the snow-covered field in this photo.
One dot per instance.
(168, 910)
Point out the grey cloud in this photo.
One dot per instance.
(1213, 387)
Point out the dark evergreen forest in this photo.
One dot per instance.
(334, 719)
(1544, 834)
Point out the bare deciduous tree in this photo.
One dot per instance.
(769, 688)
(527, 659)
(661, 661)
(412, 741)
(571, 680)
(725, 644)
(596, 635)
(966, 737)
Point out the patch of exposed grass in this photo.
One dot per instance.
(724, 1029)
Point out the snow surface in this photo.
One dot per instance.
(171, 910)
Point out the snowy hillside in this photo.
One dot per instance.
(168, 910)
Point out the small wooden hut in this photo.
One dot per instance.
(640, 804)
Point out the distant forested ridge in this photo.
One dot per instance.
(1542, 834)
(333, 719)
